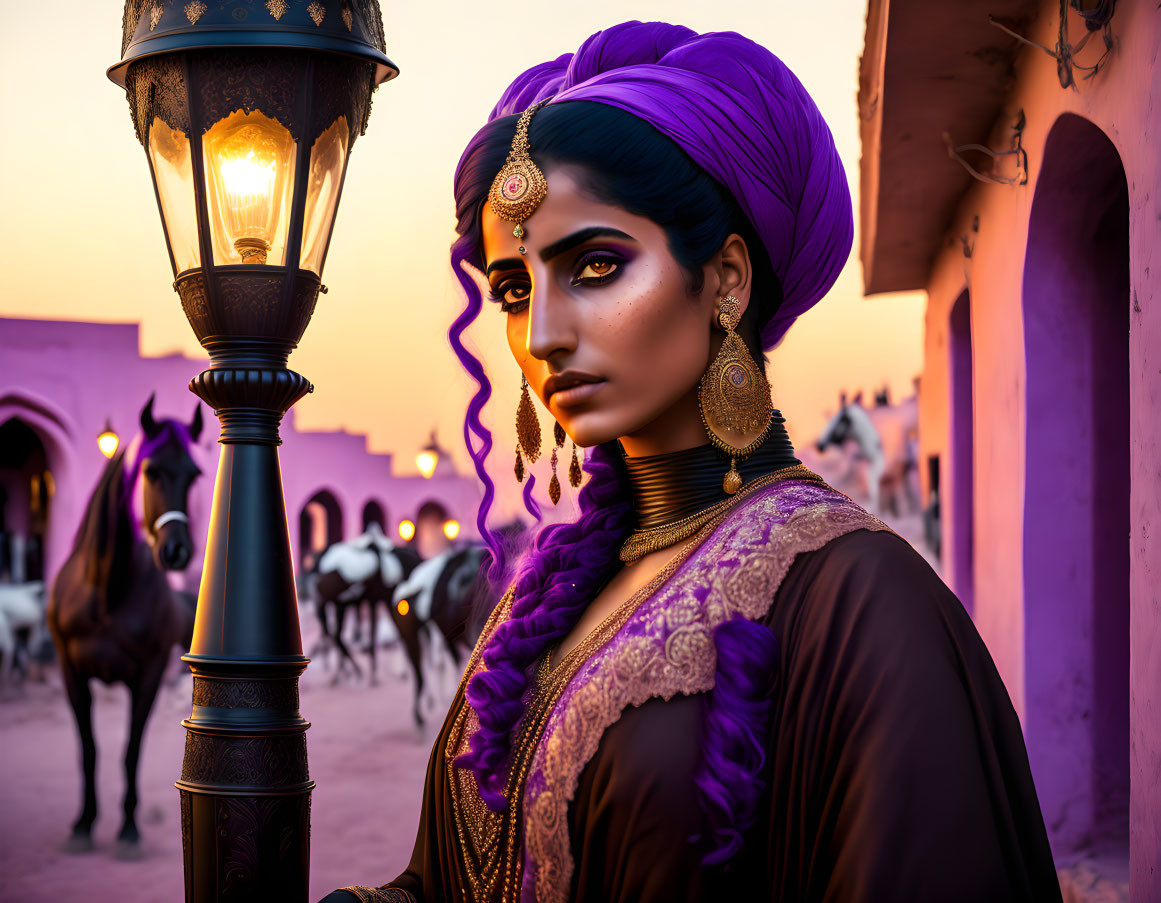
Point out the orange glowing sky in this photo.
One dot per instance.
(80, 236)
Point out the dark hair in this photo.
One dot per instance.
(624, 161)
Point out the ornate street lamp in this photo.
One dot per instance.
(247, 111)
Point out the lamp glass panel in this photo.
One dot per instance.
(249, 164)
(322, 194)
(169, 152)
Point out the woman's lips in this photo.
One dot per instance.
(571, 388)
(570, 398)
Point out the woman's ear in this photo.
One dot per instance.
(732, 263)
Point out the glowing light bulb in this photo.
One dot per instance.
(403, 608)
(451, 529)
(249, 158)
(406, 530)
(108, 441)
(426, 461)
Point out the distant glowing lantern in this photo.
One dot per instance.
(403, 608)
(406, 530)
(428, 458)
(108, 441)
(426, 462)
(451, 528)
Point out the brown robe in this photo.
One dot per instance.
(896, 768)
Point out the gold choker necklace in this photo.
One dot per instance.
(641, 542)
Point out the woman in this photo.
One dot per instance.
(725, 680)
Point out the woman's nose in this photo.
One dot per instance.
(550, 324)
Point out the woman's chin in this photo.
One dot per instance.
(593, 428)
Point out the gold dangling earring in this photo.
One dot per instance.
(527, 431)
(558, 436)
(574, 470)
(734, 397)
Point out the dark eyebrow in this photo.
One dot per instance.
(508, 263)
(559, 247)
(579, 238)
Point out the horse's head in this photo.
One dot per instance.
(167, 472)
(838, 430)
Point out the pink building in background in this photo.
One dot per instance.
(1040, 405)
(61, 381)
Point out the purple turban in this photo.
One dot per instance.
(742, 116)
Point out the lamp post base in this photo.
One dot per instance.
(245, 788)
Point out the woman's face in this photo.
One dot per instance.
(599, 316)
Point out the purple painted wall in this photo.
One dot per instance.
(960, 543)
(1066, 348)
(63, 379)
(1076, 506)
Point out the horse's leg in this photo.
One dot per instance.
(874, 477)
(142, 695)
(374, 642)
(81, 699)
(415, 654)
(320, 609)
(345, 656)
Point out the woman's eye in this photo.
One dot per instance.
(597, 270)
(512, 296)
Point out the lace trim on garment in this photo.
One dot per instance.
(491, 845)
(380, 894)
(667, 648)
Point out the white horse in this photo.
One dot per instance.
(853, 423)
(21, 612)
(885, 437)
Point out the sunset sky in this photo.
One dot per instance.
(81, 238)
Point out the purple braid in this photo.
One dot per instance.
(565, 569)
(464, 250)
(736, 730)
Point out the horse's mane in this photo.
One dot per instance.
(105, 539)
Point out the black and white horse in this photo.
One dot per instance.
(445, 592)
(366, 570)
(112, 614)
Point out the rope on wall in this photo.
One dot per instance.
(1097, 16)
(956, 151)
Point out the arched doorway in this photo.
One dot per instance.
(429, 529)
(320, 524)
(26, 490)
(1076, 505)
(374, 513)
(962, 451)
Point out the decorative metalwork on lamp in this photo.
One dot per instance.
(247, 123)
(194, 10)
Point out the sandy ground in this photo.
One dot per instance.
(366, 755)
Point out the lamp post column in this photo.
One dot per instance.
(245, 786)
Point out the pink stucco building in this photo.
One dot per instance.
(59, 383)
(1040, 423)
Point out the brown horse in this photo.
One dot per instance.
(112, 613)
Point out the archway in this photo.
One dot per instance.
(429, 533)
(320, 524)
(1076, 504)
(26, 490)
(962, 451)
(374, 513)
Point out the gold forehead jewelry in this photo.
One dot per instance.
(519, 187)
